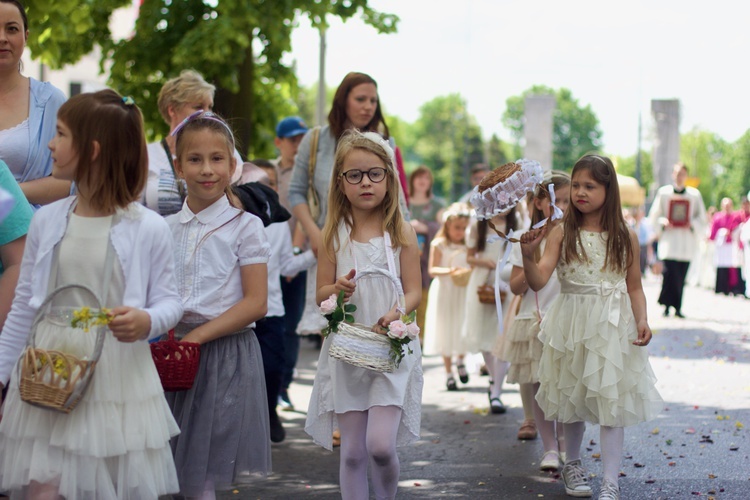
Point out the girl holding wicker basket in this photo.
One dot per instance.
(221, 255)
(521, 346)
(114, 441)
(365, 235)
(447, 296)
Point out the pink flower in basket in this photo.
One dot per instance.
(397, 329)
(329, 305)
(412, 330)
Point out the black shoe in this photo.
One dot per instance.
(666, 311)
(278, 434)
(678, 314)
(497, 407)
(483, 371)
(463, 375)
(450, 384)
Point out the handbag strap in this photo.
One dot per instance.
(312, 162)
(177, 180)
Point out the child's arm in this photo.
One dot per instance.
(252, 306)
(538, 273)
(474, 261)
(518, 283)
(11, 254)
(436, 255)
(411, 277)
(637, 297)
(327, 282)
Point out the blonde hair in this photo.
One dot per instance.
(184, 89)
(619, 247)
(454, 211)
(339, 207)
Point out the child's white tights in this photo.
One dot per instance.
(498, 369)
(612, 439)
(369, 436)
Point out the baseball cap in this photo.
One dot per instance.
(290, 126)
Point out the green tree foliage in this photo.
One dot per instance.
(497, 153)
(449, 141)
(627, 166)
(706, 156)
(575, 128)
(236, 44)
(738, 168)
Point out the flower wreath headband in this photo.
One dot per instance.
(203, 115)
(378, 139)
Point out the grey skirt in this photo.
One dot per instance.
(223, 418)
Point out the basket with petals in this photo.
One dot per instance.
(54, 379)
(504, 187)
(176, 362)
(358, 344)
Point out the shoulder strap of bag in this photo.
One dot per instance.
(313, 157)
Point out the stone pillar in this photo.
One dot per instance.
(666, 113)
(537, 129)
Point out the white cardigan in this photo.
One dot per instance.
(144, 248)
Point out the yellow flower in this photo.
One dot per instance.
(84, 319)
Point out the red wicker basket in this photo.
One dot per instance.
(177, 362)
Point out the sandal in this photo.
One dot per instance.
(527, 430)
(336, 438)
(463, 375)
(550, 461)
(497, 407)
(450, 384)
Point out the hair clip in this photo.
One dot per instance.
(128, 101)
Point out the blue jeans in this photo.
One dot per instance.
(293, 294)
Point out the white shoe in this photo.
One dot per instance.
(575, 479)
(550, 461)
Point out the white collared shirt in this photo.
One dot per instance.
(283, 263)
(210, 248)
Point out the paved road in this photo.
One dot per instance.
(697, 448)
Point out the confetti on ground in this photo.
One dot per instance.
(689, 430)
(655, 430)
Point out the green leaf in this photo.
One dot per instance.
(338, 315)
(350, 308)
(349, 318)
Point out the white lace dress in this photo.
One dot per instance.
(590, 370)
(340, 387)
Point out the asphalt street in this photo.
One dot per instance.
(698, 447)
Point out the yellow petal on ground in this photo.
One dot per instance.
(655, 430)
(739, 425)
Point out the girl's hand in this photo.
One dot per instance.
(382, 325)
(346, 284)
(419, 226)
(644, 334)
(531, 240)
(130, 324)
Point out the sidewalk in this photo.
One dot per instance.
(698, 447)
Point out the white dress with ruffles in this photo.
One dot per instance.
(115, 443)
(590, 370)
(340, 387)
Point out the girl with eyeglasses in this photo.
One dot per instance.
(374, 411)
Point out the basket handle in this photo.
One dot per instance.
(395, 281)
(100, 329)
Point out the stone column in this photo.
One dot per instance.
(537, 129)
(666, 153)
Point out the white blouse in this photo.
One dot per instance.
(210, 248)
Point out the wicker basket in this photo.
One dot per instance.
(358, 345)
(460, 275)
(53, 379)
(500, 174)
(176, 362)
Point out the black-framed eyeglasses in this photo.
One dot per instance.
(375, 174)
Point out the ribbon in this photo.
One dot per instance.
(501, 262)
(556, 212)
(614, 291)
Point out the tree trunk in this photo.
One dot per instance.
(239, 108)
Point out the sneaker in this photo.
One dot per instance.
(609, 491)
(284, 402)
(575, 479)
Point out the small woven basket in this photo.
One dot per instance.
(460, 275)
(500, 174)
(358, 345)
(176, 362)
(52, 379)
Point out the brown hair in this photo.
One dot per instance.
(421, 170)
(337, 118)
(483, 226)
(339, 207)
(118, 175)
(208, 120)
(22, 10)
(619, 247)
